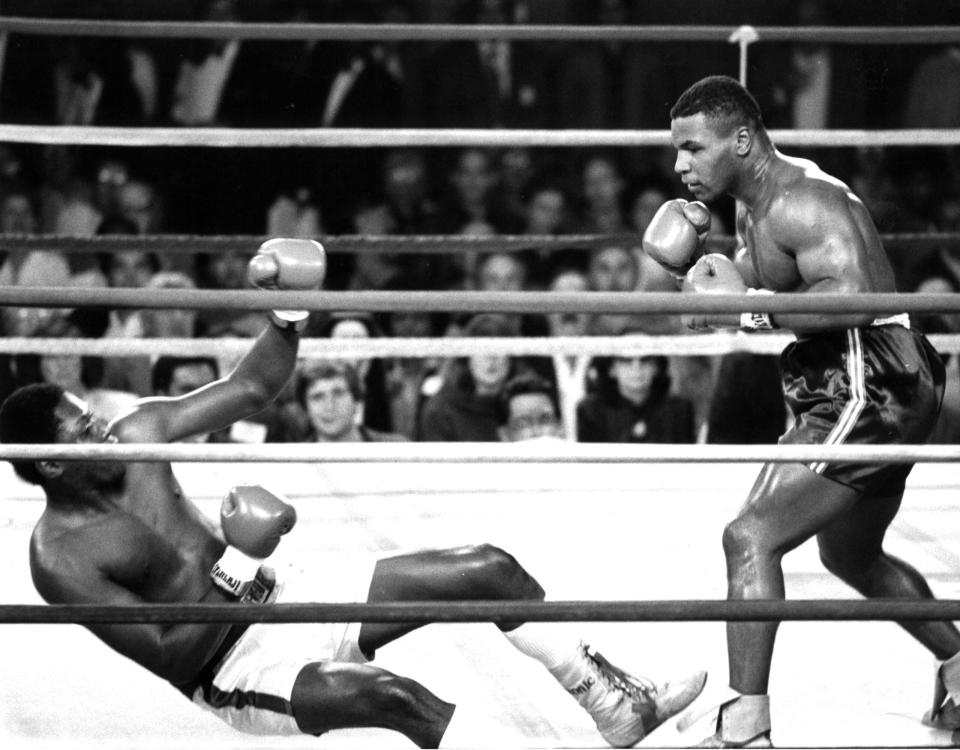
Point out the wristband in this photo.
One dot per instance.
(757, 321)
(235, 572)
(290, 320)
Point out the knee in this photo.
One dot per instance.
(743, 542)
(330, 696)
(497, 574)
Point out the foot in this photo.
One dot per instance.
(716, 740)
(627, 708)
(945, 713)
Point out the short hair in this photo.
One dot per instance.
(28, 416)
(328, 370)
(161, 375)
(719, 98)
(490, 325)
(526, 383)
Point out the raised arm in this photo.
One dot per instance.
(263, 371)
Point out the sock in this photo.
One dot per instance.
(556, 652)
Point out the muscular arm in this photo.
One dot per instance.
(819, 228)
(254, 383)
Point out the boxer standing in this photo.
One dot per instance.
(848, 378)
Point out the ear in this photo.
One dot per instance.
(744, 141)
(49, 469)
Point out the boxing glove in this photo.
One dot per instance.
(676, 235)
(713, 274)
(253, 519)
(288, 263)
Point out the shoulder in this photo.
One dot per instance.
(142, 421)
(808, 201)
(69, 555)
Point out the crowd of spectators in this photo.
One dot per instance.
(86, 191)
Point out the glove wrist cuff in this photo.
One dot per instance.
(757, 321)
(235, 571)
(290, 320)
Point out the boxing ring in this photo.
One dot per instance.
(610, 531)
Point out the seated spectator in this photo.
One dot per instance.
(331, 395)
(614, 269)
(467, 406)
(571, 370)
(172, 323)
(529, 410)
(631, 403)
(376, 413)
(601, 192)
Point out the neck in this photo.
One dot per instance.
(753, 183)
(350, 436)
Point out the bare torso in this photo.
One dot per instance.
(806, 227)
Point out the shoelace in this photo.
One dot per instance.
(637, 688)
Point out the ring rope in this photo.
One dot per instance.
(184, 244)
(469, 301)
(101, 135)
(692, 610)
(447, 32)
(628, 345)
(420, 244)
(560, 451)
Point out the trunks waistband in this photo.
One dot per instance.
(900, 319)
(208, 671)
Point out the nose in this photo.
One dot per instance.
(682, 164)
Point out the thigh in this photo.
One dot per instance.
(789, 503)
(859, 531)
(437, 574)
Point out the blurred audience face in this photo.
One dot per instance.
(348, 328)
(634, 376)
(228, 270)
(601, 183)
(570, 323)
(613, 269)
(17, 215)
(500, 272)
(130, 268)
(645, 204)
(405, 179)
(531, 416)
(331, 408)
(190, 377)
(172, 323)
(137, 202)
(474, 177)
(546, 211)
(489, 372)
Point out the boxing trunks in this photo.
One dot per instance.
(249, 682)
(881, 384)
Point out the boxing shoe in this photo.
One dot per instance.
(627, 708)
(945, 713)
(742, 722)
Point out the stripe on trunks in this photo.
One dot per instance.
(858, 395)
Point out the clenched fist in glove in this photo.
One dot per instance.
(253, 520)
(288, 263)
(713, 274)
(675, 236)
